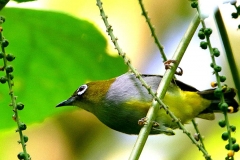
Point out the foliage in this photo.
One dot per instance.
(52, 50)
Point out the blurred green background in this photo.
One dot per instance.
(58, 51)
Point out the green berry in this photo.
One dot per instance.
(2, 19)
(227, 147)
(25, 138)
(10, 57)
(233, 140)
(223, 78)
(224, 107)
(225, 136)
(20, 105)
(212, 65)
(23, 126)
(201, 29)
(233, 128)
(21, 155)
(235, 15)
(235, 147)
(217, 68)
(3, 80)
(201, 35)
(9, 69)
(207, 31)
(1, 55)
(203, 45)
(222, 123)
(5, 43)
(217, 92)
(11, 76)
(216, 52)
(194, 4)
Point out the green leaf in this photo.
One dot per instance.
(55, 54)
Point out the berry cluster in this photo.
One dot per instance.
(8, 77)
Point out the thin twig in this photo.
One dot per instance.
(13, 100)
(222, 99)
(152, 29)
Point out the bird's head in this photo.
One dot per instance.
(89, 96)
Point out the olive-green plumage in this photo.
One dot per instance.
(120, 102)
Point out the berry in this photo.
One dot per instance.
(235, 147)
(23, 126)
(217, 68)
(224, 107)
(20, 106)
(222, 123)
(9, 69)
(217, 92)
(194, 4)
(25, 138)
(3, 80)
(5, 43)
(216, 52)
(207, 31)
(10, 57)
(233, 128)
(235, 15)
(201, 35)
(203, 45)
(223, 78)
(225, 136)
(21, 155)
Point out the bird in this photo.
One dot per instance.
(122, 101)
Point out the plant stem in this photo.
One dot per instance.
(152, 29)
(143, 135)
(228, 51)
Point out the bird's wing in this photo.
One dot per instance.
(181, 85)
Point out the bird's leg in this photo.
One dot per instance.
(142, 121)
(168, 66)
(168, 63)
(163, 129)
(156, 126)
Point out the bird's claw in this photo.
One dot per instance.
(142, 121)
(156, 126)
(167, 65)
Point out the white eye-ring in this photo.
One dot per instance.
(82, 89)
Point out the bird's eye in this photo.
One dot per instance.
(81, 89)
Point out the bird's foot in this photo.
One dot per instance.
(165, 130)
(142, 121)
(168, 66)
(156, 126)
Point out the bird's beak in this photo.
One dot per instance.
(67, 102)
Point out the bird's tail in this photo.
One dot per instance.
(229, 94)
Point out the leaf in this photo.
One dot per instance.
(55, 54)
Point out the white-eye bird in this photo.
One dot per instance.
(121, 102)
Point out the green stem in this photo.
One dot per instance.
(219, 84)
(228, 51)
(143, 135)
(13, 101)
(198, 133)
(152, 29)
